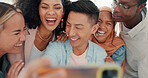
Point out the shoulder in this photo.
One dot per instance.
(98, 50)
(96, 46)
(120, 50)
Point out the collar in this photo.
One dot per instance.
(132, 33)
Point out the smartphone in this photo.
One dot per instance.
(101, 71)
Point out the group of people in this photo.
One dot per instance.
(28, 32)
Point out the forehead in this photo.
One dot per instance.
(49, 2)
(14, 22)
(127, 1)
(77, 18)
(105, 14)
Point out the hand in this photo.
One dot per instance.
(63, 37)
(15, 69)
(31, 71)
(109, 59)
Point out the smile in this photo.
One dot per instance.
(101, 33)
(51, 21)
(18, 45)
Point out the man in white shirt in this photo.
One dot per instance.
(134, 23)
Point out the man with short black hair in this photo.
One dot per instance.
(81, 22)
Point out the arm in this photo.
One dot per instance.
(119, 55)
(53, 52)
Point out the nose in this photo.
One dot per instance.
(72, 32)
(51, 12)
(100, 26)
(23, 36)
(116, 8)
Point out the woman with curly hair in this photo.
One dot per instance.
(42, 18)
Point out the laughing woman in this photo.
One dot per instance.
(42, 18)
(106, 38)
(12, 36)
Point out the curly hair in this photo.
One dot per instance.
(31, 11)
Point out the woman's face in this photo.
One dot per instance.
(105, 26)
(13, 34)
(51, 12)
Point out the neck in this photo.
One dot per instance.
(44, 33)
(80, 50)
(133, 22)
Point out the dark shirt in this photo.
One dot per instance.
(5, 67)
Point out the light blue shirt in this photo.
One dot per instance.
(60, 53)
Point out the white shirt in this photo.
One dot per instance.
(35, 53)
(136, 40)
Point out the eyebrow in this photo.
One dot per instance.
(110, 21)
(48, 5)
(17, 30)
(68, 22)
(76, 24)
(45, 4)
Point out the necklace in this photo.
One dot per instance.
(42, 37)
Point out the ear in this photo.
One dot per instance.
(95, 28)
(140, 7)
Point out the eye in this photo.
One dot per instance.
(124, 6)
(78, 28)
(68, 25)
(99, 22)
(57, 7)
(44, 7)
(16, 33)
(108, 24)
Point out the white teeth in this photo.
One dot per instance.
(18, 45)
(51, 19)
(74, 39)
(101, 32)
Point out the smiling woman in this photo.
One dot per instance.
(12, 36)
(43, 18)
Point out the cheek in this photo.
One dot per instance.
(109, 30)
(67, 29)
(42, 13)
(60, 13)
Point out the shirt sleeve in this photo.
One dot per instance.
(119, 55)
(51, 53)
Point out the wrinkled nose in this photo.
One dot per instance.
(51, 12)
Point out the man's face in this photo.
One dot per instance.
(79, 29)
(124, 10)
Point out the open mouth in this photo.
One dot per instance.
(51, 21)
(100, 33)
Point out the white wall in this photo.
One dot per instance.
(99, 3)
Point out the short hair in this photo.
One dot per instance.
(6, 11)
(141, 1)
(83, 6)
(30, 9)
